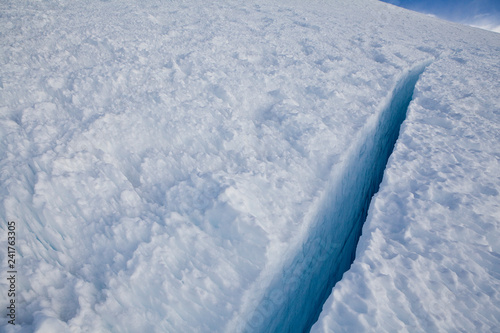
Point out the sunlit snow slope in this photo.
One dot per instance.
(166, 161)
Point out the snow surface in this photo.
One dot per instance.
(165, 162)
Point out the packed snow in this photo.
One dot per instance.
(166, 163)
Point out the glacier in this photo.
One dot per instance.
(181, 166)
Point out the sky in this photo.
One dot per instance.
(479, 13)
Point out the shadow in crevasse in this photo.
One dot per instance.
(295, 298)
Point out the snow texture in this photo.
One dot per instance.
(165, 162)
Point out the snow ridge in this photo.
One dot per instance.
(295, 298)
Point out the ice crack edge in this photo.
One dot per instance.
(294, 299)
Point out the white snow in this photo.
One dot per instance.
(165, 162)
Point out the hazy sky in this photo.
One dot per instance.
(481, 13)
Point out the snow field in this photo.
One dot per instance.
(163, 161)
(143, 155)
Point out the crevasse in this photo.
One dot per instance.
(294, 300)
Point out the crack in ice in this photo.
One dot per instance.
(295, 298)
